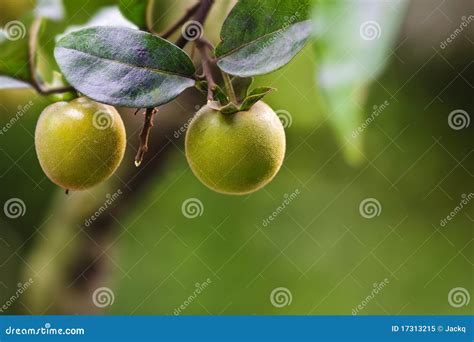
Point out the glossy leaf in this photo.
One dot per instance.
(124, 67)
(135, 11)
(259, 37)
(219, 94)
(241, 86)
(254, 96)
(353, 45)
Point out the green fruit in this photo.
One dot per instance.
(79, 143)
(235, 153)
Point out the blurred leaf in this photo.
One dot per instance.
(14, 49)
(254, 96)
(51, 9)
(145, 72)
(102, 15)
(11, 83)
(353, 41)
(260, 37)
(135, 11)
(57, 16)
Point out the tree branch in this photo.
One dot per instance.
(145, 134)
(203, 46)
(189, 13)
(200, 16)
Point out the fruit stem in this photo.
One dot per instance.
(144, 135)
(229, 87)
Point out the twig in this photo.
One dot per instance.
(144, 135)
(200, 16)
(32, 45)
(202, 46)
(189, 13)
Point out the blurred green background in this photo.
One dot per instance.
(151, 258)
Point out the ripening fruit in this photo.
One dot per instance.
(79, 143)
(235, 153)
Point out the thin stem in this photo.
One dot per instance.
(229, 87)
(32, 46)
(145, 134)
(206, 61)
(189, 13)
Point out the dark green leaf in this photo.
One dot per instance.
(135, 11)
(254, 96)
(261, 36)
(353, 44)
(124, 67)
(219, 94)
(241, 86)
(229, 108)
(201, 86)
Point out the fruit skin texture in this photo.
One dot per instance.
(235, 153)
(79, 143)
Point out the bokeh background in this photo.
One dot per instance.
(321, 254)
